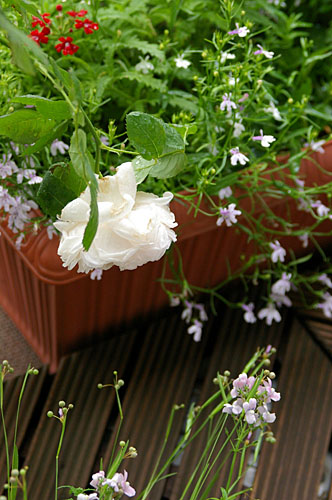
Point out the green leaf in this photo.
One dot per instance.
(56, 133)
(25, 126)
(92, 225)
(173, 159)
(68, 175)
(142, 168)
(58, 110)
(53, 195)
(169, 165)
(82, 163)
(146, 133)
(69, 81)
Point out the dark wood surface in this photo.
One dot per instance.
(161, 366)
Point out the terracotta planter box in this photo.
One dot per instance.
(58, 310)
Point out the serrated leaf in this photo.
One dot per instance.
(142, 168)
(53, 195)
(58, 110)
(146, 133)
(25, 126)
(56, 133)
(27, 6)
(146, 80)
(169, 165)
(174, 141)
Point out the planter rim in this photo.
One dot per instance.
(39, 252)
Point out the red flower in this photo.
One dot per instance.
(80, 13)
(40, 36)
(45, 16)
(67, 48)
(88, 25)
(58, 7)
(41, 23)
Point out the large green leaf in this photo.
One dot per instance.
(56, 133)
(25, 126)
(53, 195)
(58, 110)
(146, 133)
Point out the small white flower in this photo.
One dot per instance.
(240, 31)
(196, 330)
(226, 55)
(323, 278)
(249, 315)
(326, 306)
(232, 81)
(316, 146)
(144, 66)
(174, 301)
(274, 111)
(96, 274)
(266, 140)
(58, 146)
(264, 52)
(305, 239)
(227, 103)
(228, 215)
(180, 62)
(238, 157)
(270, 313)
(51, 231)
(322, 210)
(239, 128)
(283, 285)
(187, 311)
(281, 300)
(279, 253)
(225, 192)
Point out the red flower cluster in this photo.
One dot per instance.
(88, 26)
(65, 46)
(40, 36)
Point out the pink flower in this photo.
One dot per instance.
(227, 103)
(249, 316)
(228, 215)
(119, 481)
(265, 53)
(196, 330)
(240, 31)
(270, 313)
(279, 253)
(266, 140)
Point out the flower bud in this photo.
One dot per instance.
(35, 371)
(120, 382)
(267, 362)
(227, 373)
(15, 473)
(70, 406)
(166, 32)
(122, 444)
(58, 7)
(290, 100)
(23, 472)
(62, 404)
(50, 414)
(100, 386)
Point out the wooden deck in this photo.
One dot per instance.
(161, 365)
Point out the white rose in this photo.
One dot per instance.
(134, 227)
